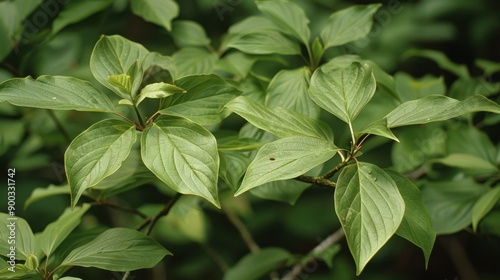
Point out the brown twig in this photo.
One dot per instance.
(323, 246)
(243, 230)
(151, 221)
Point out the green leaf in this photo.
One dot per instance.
(488, 67)
(232, 167)
(253, 24)
(288, 16)
(189, 34)
(21, 272)
(121, 81)
(97, 153)
(325, 255)
(436, 108)
(55, 233)
(183, 155)
(343, 92)
(287, 191)
(75, 11)
(12, 14)
(11, 134)
(377, 128)
(484, 205)
(204, 101)
(70, 278)
(286, 159)
(467, 161)
(41, 193)
(109, 249)
(23, 237)
(270, 42)
(416, 225)
(278, 121)
(160, 12)
(191, 61)
(159, 68)
(237, 64)
(441, 59)
(255, 265)
(348, 25)
(288, 89)
(450, 203)
(418, 145)
(370, 209)
(158, 90)
(115, 55)
(32, 262)
(409, 88)
(470, 140)
(56, 93)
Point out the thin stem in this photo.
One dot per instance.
(125, 275)
(152, 117)
(139, 116)
(323, 246)
(151, 221)
(341, 155)
(353, 139)
(243, 230)
(126, 118)
(122, 208)
(59, 126)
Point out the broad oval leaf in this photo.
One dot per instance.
(204, 100)
(484, 205)
(118, 249)
(160, 12)
(468, 161)
(286, 159)
(409, 88)
(450, 203)
(183, 155)
(442, 60)
(115, 55)
(25, 239)
(55, 233)
(370, 209)
(344, 91)
(436, 108)
(255, 265)
(348, 25)
(416, 225)
(55, 93)
(97, 153)
(288, 89)
(41, 193)
(73, 12)
(288, 16)
(189, 34)
(194, 61)
(270, 42)
(279, 121)
(287, 191)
